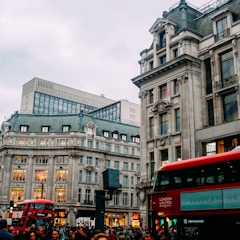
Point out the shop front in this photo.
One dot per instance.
(116, 219)
(60, 217)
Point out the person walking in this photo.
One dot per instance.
(4, 234)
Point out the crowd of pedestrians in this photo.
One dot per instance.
(81, 233)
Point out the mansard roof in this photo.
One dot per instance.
(77, 122)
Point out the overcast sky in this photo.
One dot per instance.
(90, 45)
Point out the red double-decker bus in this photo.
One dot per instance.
(198, 198)
(38, 212)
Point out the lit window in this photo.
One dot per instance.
(61, 194)
(61, 175)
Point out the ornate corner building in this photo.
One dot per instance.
(189, 86)
(58, 146)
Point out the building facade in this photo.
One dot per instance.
(189, 86)
(43, 97)
(62, 157)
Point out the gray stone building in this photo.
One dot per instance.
(189, 86)
(62, 156)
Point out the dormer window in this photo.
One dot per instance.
(106, 134)
(45, 128)
(65, 128)
(124, 137)
(136, 139)
(115, 135)
(222, 28)
(24, 128)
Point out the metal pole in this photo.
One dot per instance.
(42, 191)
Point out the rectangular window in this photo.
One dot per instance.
(87, 195)
(151, 127)
(23, 128)
(125, 199)
(80, 176)
(61, 194)
(222, 28)
(116, 164)
(124, 137)
(132, 166)
(96, 177)
(131, 200)
(106, 134)
(45, 129)
(163, 91)
(80, 159)
(125, 181)
(177, 120)
(230, 107)
(150, 65)
(210, 112)
(107, 147)
(176, 87)
(164, 155)
(65, 128)
(162, 39)
(90, 144)
(17, 194)
(97, 145)
(115, 199)
(96, 161)
(163, 59)
(227, 68)
(79, 194)
(125, 165)
(89, 161)
(136, 139)
(175, 53)
(40, 175)
(126, 150)
(163, 124)
(19, 175)
(61, 175)
(178, 153)
(132, 180)
(117, 149)
(107, 163)
(88, 176)
(115, 135)
(208, 75)
(151, 96)
(138, 167)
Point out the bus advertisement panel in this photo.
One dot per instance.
(196, 198)
(38, 212)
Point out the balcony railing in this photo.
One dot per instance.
(227, 82)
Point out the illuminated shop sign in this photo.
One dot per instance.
(214, 199)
